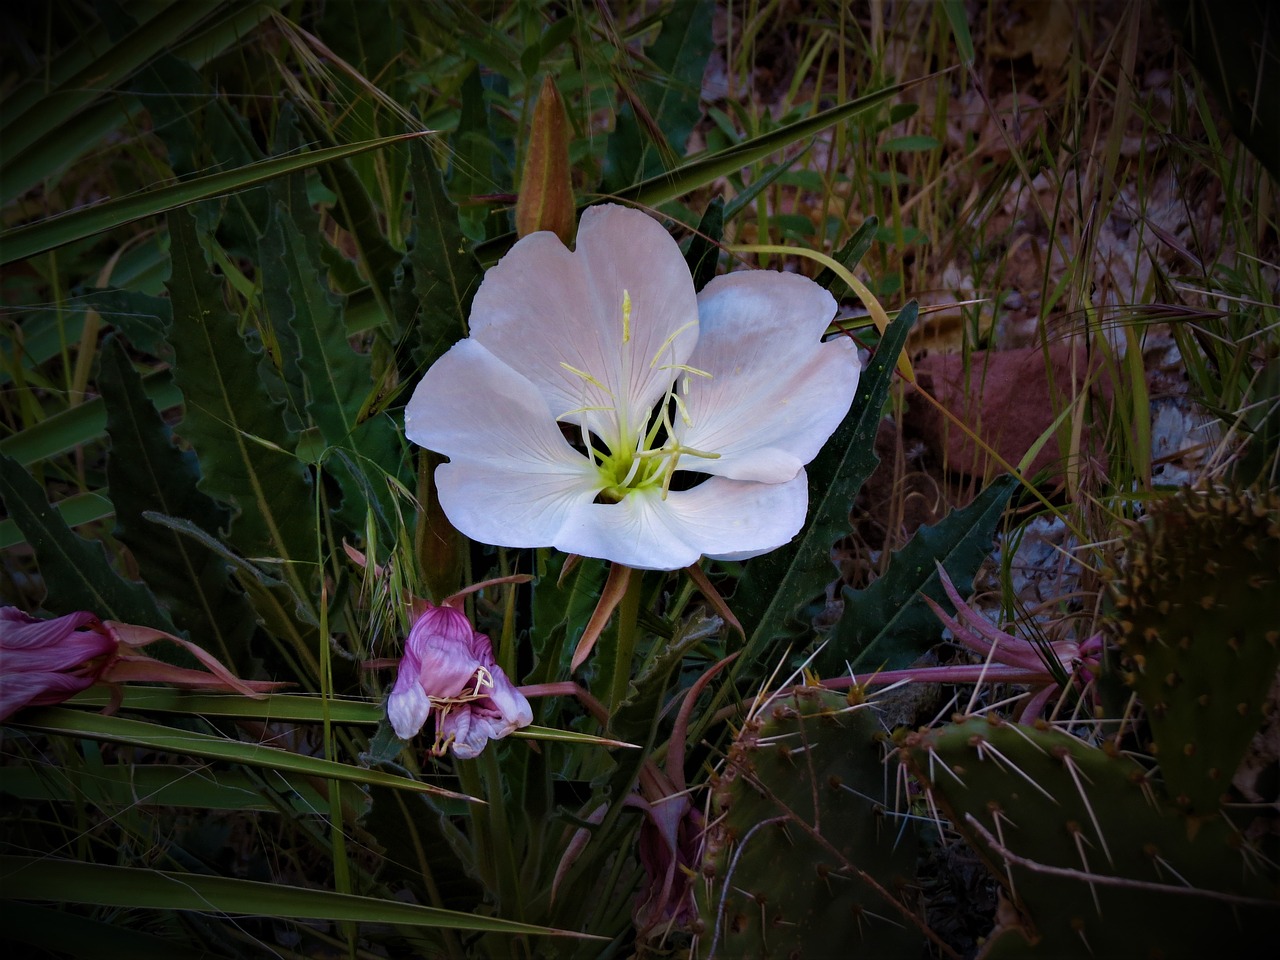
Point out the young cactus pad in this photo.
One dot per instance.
(1198, 625)
(1094, 864)
(804, 859)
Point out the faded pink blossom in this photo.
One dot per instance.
(448, 667)
(44, 662)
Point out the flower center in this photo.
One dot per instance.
(642, 447)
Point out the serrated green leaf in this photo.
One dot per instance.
(77, 573)
(237, 431)
(141, 317)
(145, 471)
(75, 510)
(888, 625)
(70, 881)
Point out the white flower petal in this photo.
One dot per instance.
(721, 518)
(624, 249)
(736, 519)
(640, 532)
(513, 476)
(542, 308)
(776, 392)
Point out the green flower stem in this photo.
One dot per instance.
(504, 860)
(468, 774)
(628, 613)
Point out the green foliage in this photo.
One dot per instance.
(76, 571)
(803, 858)
(653, 126)
(888, 625)
(245, 448)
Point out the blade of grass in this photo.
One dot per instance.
(26, 241)
(70, 881)
(95, 726)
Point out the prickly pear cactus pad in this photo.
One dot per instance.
(1092, 862)
(1198, 624)
(805, 859)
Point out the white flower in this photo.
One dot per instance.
(596, 385)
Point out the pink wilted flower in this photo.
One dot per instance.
(44, 662)
(448, 667)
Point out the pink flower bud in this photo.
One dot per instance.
(47, 661)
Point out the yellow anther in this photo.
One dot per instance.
(626, 316)
(687, 369)
(585, 376)
(667, 342)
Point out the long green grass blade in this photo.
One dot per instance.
(71, 881)
(293, 708)
(95, 726)
(26, 241)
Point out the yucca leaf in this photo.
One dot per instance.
(74, 511)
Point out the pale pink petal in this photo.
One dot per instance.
(512, 477)
(641, 532)
(510, 703)
(469, 730)
(440, 642)
(542, 308)
(776, 392)
(624, 249)
(407, 708)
